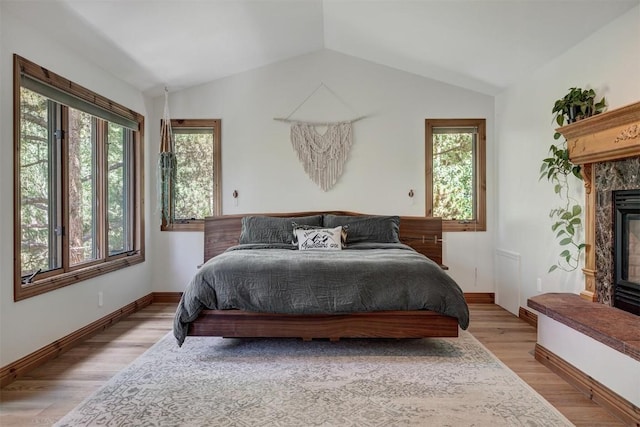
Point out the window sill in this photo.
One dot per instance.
(462, 226)
(69, 278)
(194, 225)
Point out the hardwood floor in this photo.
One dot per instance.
(49, 392)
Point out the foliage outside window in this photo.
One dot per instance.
(78, 182)
(456, 173)
(195, 187)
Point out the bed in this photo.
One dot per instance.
(385, 281)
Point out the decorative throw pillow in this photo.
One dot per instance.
(269, 229)
(373, 228)
(296, 226)
(319, 238)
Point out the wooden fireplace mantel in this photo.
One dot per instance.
(610, 136)
(613, 135)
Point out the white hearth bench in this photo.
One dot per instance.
(595, 347)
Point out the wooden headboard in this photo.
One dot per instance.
(421, 233)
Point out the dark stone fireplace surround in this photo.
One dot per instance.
(609, 177)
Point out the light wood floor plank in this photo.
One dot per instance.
(49, 392)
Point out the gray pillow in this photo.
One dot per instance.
(373, 228)
(270, 229)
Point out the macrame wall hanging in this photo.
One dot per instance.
(322, 154)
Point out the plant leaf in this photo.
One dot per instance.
(553, 267)
(565, 241)
(576, 172)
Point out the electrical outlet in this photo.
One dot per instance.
(100, 299)
(539, 284)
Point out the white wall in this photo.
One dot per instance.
(385, 162)
(608, 62)
(592, 357)
(30, 324)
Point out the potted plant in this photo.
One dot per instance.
(577, 104)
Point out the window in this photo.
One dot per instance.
(78, 182)
(195, 189)
(456, 173)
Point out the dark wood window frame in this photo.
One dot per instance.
(68, 274)
(198, 224)
(479, 223)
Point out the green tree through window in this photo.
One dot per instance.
(78, 192)
(455, 178)
(195, 191)
(39, 177)
(453, 183)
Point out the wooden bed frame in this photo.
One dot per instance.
(423, 234)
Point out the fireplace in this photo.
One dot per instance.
(626, 227)
(607, 146)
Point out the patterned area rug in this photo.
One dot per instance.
(284, 382)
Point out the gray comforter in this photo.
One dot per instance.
(278, 279)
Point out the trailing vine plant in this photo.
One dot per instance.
(558, 169)
(567, 217)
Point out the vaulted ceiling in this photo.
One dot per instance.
(476, 44)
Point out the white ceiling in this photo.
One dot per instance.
(476, 44)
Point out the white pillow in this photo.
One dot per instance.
(326, 239)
